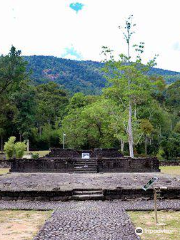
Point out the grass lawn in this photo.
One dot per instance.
(174, 170)
(41, 153)
(4, 170)
(21, 225)
(145, 220)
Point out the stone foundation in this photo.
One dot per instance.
(103, 160)
(5, 164)
(169, 163)
(108, 194)
(63, 165)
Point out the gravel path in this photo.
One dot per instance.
(127, 205)
(88, 221)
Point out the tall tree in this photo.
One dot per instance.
(129, 83)
(12, 70)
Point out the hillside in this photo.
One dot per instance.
(76, 76)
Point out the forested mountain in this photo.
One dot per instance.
(78, 76)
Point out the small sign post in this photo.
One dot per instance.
(155, 206)
(145, 188)
(150, 183)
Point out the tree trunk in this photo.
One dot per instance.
(130, 133)
(145, 144)
(122, 146)
(1, 143)
(40, 131)
(28, 146)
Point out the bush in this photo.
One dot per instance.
(20, 148)
(9, 147)
(35, 155)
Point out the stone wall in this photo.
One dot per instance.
(169, 163)
(127, 164)
(63, 153)
(96, 153)
(107, 153)
(2, 156)
(67, 165)
(108, 194)
(5, 164)
(42, 165)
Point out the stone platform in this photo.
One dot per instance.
(72, 161)
(64, 186)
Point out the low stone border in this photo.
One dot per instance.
(5, 164)
(169, 163)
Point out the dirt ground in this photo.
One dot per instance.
(21, 225)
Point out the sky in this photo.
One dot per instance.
(78, 29)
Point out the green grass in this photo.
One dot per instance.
(173, 170)
(41, 153)
(4, 170)
(145, 220)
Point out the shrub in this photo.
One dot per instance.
(9, 147)
(35, 155)
(20, 148)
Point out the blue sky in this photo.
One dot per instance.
(76, 6)
(79, 29)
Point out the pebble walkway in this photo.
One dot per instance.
(138, 205)
(88, 221)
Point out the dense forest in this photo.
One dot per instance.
(43, 112)
(78, 76)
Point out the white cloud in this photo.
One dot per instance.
(47, 27)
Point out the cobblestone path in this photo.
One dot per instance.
(88, 221)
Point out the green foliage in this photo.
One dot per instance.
(12, 71)
(9, 147)
(35, 155)
(14, 149)
(51, 103)
(20, 148)
(171, 145)
(146, 126)
(88, 126)
(160, 154)
(177, 127)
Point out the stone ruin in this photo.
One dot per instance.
(70, 161)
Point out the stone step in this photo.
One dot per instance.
(85, 164)
(88, 197)
(99, 192)
(91, 171)
(85, 169)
